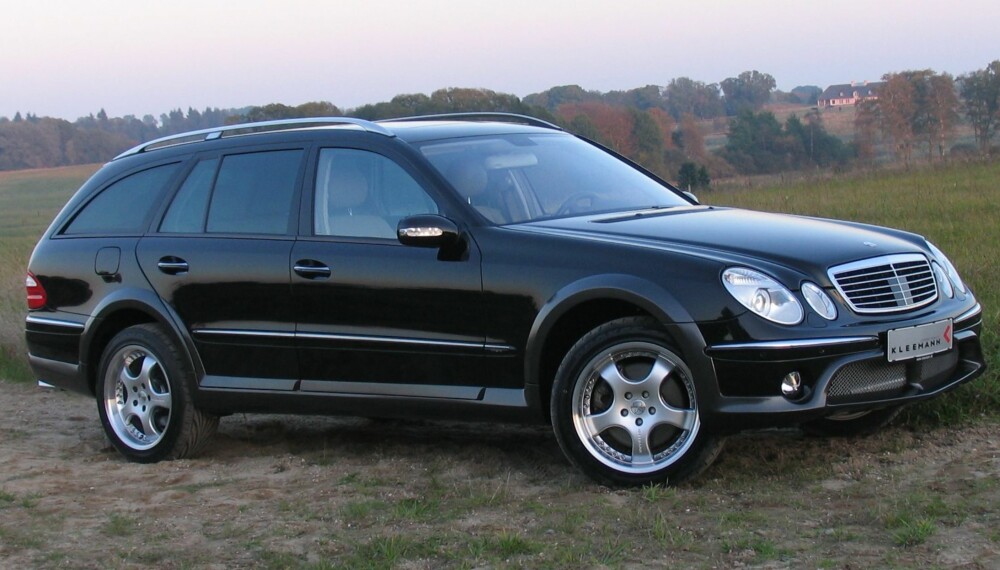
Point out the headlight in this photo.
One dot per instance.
(943, 279)
(819, 301)
(948, 267)
(762, 295)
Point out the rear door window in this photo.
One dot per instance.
(248, 193)
(187, 212)
(253, 193)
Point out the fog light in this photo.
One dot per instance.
(791, 386)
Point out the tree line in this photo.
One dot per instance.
(660, 127)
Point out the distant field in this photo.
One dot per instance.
(28, 201)
(957, 207)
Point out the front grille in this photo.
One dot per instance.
(886, 284)
(866, 378)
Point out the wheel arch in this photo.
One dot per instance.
(586, 304)
(123, 309)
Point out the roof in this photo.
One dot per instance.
(847, 90)
(410, 129)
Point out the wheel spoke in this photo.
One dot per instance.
(658, 374)
(158, 400)
(148, 427)
(677, 417)
(597, 423)
(148, 364)
(614, 378)
(641, 454)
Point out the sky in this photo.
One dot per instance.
(71, 58)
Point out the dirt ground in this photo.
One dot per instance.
(289, 492)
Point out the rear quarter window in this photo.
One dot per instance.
(124, 207)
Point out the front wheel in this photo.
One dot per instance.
(143, 398)
(625, 408)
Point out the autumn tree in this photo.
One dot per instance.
(866, 126)
(981, 92)
(943, 105)
(918, 106)
(613, 123)
(691, 138)
(665, 123)
(898, 107)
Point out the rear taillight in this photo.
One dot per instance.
(37, 298)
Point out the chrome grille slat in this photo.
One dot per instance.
(886, 284)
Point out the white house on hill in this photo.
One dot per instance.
(849, 93)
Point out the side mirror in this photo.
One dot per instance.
(691, 195)
(427, 230)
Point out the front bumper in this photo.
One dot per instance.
(838, 374)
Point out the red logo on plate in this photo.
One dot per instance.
(947, 334)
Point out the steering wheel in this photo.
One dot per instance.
(577, 203)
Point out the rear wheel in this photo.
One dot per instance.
(143, 398)
(846, 424)
(625, 407)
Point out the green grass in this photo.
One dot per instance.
(29, 199)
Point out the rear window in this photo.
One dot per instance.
(124, 207)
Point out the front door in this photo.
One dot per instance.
(376, 317)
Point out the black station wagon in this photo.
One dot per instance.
(488, 267)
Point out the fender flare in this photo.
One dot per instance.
(147, 302)
(647, 295)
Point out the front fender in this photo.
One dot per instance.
(646, 295)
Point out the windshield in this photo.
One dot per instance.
(521, 178)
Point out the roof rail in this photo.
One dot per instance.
(279, 125)
(502, 117)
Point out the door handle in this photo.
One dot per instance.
(172, 265)
(311, 269)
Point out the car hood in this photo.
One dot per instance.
(733, 235)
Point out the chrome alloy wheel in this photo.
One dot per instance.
(137, 397)
(634, 407)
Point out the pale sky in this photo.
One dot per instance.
(71, 58)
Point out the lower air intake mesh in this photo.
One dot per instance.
(866, 378)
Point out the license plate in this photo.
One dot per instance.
(922, 340)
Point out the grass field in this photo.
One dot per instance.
(29, 199)
(957, 207)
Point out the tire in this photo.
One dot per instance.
(144, 400)
(625, 409)
(849, 424)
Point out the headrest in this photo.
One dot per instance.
(348, 188)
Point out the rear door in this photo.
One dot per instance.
(220, 260)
